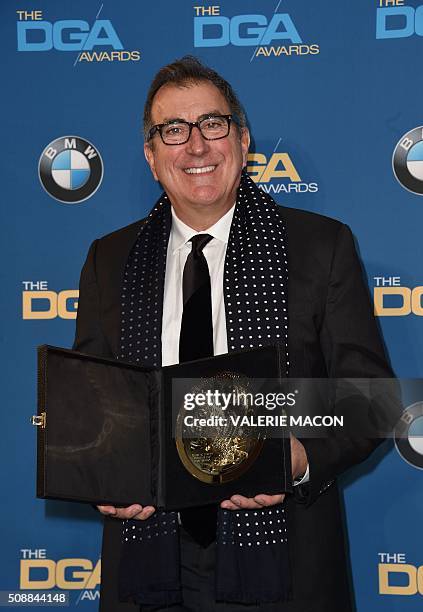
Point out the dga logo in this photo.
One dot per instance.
(34, 33)
(407, 161)
(392, 299)
(70, 169)
(277, 173)
(397, 577)
(409, 435)
(38, 302)
(211, 29)
(78, 575)
(398, 21)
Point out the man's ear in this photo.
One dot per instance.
(149, 156)
(245, 145)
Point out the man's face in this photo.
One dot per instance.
(220, 161)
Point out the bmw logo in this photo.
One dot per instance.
(409, 435)
(70, 169)
(407, 161)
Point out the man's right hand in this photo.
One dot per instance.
(131, 512)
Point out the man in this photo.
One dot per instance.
(132, 306)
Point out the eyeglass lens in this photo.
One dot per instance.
(211, 128)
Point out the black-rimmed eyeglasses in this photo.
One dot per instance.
(178, 132)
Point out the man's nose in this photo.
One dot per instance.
(197, 144)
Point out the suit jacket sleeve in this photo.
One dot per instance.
(352, 348)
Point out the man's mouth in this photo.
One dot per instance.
(201, 170)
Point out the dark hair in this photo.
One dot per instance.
(185, 72)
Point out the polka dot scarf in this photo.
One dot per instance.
(252, 550)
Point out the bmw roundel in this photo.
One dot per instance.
(70, 169)
(407, 161)
(409, 435)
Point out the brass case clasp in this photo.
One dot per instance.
(39, 420)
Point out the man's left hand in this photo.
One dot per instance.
(251, 503)
(299, 464)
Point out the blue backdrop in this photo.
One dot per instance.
(330, 89)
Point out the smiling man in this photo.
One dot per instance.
(207, 273)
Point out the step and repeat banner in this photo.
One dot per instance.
(332, 92)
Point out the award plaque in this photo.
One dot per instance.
(110, 432)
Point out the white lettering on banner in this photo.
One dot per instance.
(36, 553)
(50, 152)
(406, 144)
(90, 152)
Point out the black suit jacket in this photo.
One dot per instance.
(332, 333)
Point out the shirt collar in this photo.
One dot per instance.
(181, 233)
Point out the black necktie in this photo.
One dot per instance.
(196, 339)
(195, 342)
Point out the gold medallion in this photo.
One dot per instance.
(220, 445)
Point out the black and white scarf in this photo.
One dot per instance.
(252, 552)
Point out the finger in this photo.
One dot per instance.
(249, 503)
(129, 512)
(107, 510)
(246, 503)
(269, 500)
(146, 512)
(228, 505)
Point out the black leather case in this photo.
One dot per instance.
(106, 431)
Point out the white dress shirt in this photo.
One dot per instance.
(178, 249)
